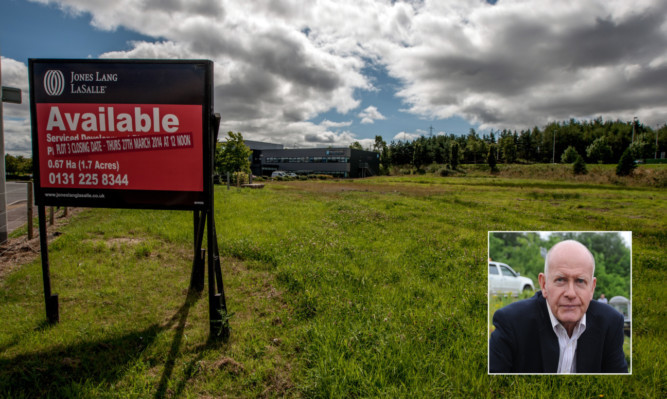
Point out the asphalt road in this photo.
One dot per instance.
(17, 211)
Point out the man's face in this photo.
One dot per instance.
(569, 285)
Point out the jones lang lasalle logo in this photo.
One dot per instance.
(80, 83)
(54, 82)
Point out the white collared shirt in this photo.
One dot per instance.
(567, 345)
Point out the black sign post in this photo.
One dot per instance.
(128, 134)
(51, 301)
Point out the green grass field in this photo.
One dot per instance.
(352, 288)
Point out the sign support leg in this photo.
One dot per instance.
(218, 272)
(50, 300)
(197, 277)
(217, 307)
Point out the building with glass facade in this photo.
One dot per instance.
(339, 162)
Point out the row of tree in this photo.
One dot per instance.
(612, 257)
(17, 165)
(596, 141)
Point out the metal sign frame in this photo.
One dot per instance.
(102, 94)
(138, 90)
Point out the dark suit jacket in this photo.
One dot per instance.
(524, 341)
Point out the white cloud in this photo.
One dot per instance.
(370, 115)
(519, 64)
(403, 136)
(16, 116)
(329, 124)
(14, 74)
(17, 137)
(515, 64)
(158, 50)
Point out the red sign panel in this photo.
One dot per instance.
(102, 145)
(128, 134)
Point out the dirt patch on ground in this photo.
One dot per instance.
(278, 384)
(19, 251)
(226, 363)
(123, 240)
(117, 242)
(340, 186)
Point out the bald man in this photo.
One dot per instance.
(560, 329)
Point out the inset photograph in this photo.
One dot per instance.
(560, 302)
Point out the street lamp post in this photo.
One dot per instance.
(656, 141)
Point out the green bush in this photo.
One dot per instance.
(626, 164)
(570, 155)
(579, 166)
(444, 172)
(433, 168)
(239, 178)
(491, 158)
(599, 150)
(320, 177)
(454, 155)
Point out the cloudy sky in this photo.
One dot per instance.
(320, 73)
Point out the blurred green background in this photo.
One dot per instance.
(521, 250)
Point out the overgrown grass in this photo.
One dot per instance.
(644, 175)
(356, 288)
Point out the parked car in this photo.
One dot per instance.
(624, 307)
(278, 173)
(503, 279)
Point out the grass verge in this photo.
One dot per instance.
(356, 288)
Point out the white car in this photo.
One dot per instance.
(503, 278)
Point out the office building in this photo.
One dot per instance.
(338, 162)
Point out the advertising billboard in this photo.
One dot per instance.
(122, 133)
